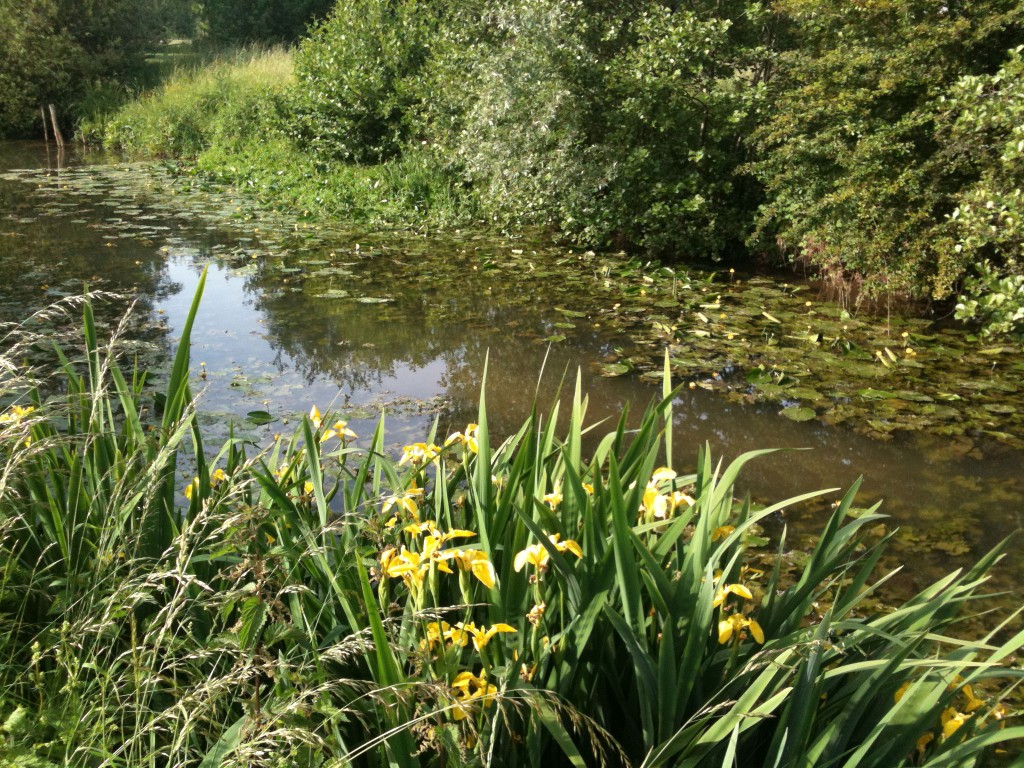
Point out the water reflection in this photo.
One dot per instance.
(370, 322)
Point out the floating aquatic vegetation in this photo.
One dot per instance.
(754, 338)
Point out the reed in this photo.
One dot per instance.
(470, 602)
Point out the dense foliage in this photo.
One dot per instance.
(89, 57)
(865, 157)
(54, 50)
(876, 142)
(321, 603)
(615, 123)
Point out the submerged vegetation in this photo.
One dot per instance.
(319, 602)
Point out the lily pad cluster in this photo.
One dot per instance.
(759, 340)
(754, 338)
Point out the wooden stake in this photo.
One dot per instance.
(56, 128)
(46, 133)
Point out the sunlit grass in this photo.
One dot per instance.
(198, 105)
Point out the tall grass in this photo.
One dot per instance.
(466, 603)
(228, 98)
(229, 119)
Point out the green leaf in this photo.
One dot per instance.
(254, 616)
(798, 413)
(259, 418)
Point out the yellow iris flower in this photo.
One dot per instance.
(476, 562)
(467, 439)
(419, 454)
(537, 554)
(470, 689)
(951, 720)
(340, 430)
(16, 414)
(731, 589)
(404, 564)
(481, 636)
(658, 505)
(412, 567)
(723, 532)
(315, 418)
(735, 624)
(554, 498)
(437, 631)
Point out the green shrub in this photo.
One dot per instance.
(356, 73)
(985, 124)
(859, 171)
(995, 299)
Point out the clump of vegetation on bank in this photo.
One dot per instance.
(877, 144)
(231, 120)
(323, 603)
(228, 103)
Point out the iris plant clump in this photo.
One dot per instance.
(467, 601)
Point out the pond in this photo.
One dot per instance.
(296, 313)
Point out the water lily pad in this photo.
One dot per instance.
(798, 413)
(999, 408)
(804, 393)
(373, 300)
(877, 394)
(611, 370)
(259, 418)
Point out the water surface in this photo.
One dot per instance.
(403, 323)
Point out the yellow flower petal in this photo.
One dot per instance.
(572, 546)
(662, 474)
(755, 631)
(739, 589)
(520, 562)
(725, 629)
(484, 570)
(722, 532)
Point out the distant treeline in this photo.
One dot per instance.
(72, 52)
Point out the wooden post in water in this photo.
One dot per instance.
(46, 133)
(56, 128)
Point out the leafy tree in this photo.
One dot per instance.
(52, 49)
(38, 61)
(858, 178)
(616, 123)
(265, 21)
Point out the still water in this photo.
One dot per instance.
(403, 323)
